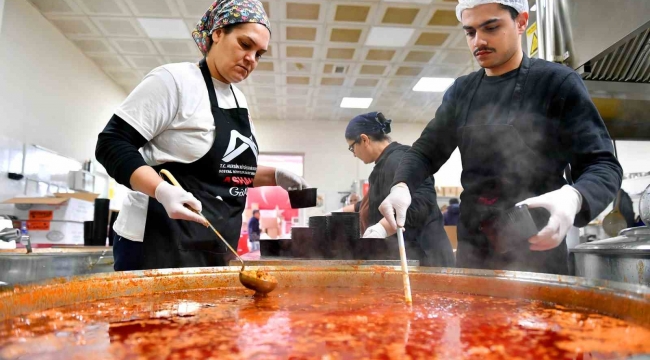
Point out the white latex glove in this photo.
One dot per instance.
(563, 205)
(174, 199)
(289, 181)
(395, 205)
(376, 231)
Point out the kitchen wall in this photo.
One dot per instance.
(328, 163)
(50, 94)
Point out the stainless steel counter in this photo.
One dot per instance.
(17, 267)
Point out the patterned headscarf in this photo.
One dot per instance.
(227, 12)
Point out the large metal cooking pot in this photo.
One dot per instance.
(625, 301)
(625, 258)
(17, 267)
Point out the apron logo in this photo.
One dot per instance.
(239, 192)
(233, 151)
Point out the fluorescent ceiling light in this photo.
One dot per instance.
(533, 8)
(430, 84)
(389, 36)
(356, 103)
(165, 28)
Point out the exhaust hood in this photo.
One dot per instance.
(608, 43)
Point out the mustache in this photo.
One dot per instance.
(484, 49)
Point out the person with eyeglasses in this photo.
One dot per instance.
(425, 237)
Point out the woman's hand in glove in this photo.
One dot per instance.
(563, 205)
(174, 199)
(378, 230)
(289, 181)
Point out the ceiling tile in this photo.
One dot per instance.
(298, 67)
(297, 80)
(398, 15)
(154, 8)
(332, 81)
(408, 71)
(301, 33)
(193, 8)
(105, 7)
(380, 55)
(431, 39)
(144, 62)
(372, 69)
(351, 13)
(93, 45)
(134, 46)
(269, 52)
(300, 91)
(59, 7)
(303, 11)
(118, 27)
(176, 47)
(262, 79)
(264, 66)
(165, 28)
(267, 101)
(267, 9)
(400, 83)
(345, 35)
(300, 52)
(366, 82)
(443, 71)
(419, 56)
(389, 36)
(79, 26)
(456, 57)
(443, 18)
(109, 61)
(343, 54)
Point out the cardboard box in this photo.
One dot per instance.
(56, 232)
(62, 208)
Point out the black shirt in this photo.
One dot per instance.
(554, 116)
(424, 221)
(492, 99)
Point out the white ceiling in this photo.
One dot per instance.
(385, 47)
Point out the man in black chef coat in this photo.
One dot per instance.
(518, 123)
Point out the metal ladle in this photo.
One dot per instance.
(249, 279)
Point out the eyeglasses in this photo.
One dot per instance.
(351, 147)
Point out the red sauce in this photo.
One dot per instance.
(329, 323)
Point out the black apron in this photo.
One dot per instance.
(220, 181)
(500, 170)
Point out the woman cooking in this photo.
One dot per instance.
(191, 120)
(425, 237)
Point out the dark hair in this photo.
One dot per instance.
(226, 30)
(255, 212)
(374, 125)
(513, 13)
(454, 201)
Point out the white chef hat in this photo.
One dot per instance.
(519, 5)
